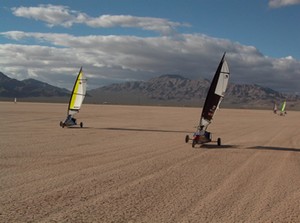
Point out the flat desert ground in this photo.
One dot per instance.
(131, 164)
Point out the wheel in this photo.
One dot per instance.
(219, 141)
(194, 143)
(81, 124)
(187, 138)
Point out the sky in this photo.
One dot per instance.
(135, 40)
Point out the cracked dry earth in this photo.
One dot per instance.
(131, 164)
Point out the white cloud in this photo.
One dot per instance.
(163, 26)
(109, 59)
(282, 3)
(55, 15)
(56, 57)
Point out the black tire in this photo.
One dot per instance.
(219, 141)
(187, 138)
(62, 124)
(81, 124)
(194, 143)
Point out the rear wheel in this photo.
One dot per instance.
(81, 124)
(219, 141)
(187, 138)
(194, 143)
(62, 124)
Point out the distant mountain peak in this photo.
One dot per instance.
(35, 82)
(28, 88)
(3, 77)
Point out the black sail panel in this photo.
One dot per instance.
(213, 98)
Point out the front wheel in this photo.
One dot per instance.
(187, 138)
(81, 124)
(219, 141)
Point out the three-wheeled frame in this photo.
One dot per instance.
(70, 121)
(201, 139)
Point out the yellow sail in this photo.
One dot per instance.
(78, 93)
(283, 106)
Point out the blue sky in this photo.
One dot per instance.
(124, 40)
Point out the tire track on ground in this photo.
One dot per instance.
(109, 177)
(128, 161)
(195, 207)
(94, 199)
(265, 200)
(87, 155)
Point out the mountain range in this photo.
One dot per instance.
(167, 89)
(11, 88)
(180, 91)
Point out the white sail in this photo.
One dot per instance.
(78, 93)
(223, 80)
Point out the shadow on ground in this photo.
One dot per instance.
(212, 146)
(141, 130)
(275, 148)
